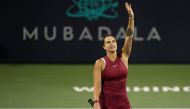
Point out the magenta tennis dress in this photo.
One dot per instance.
(114, 76)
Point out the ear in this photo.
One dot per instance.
(103, 47)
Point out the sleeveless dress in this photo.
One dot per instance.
(114, 76)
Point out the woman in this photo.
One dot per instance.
(110, 72)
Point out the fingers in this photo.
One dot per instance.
(128, 5)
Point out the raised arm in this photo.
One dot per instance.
(97, 82)
(126, 50)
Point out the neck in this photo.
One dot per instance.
(112, 55)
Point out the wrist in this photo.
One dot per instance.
(96, 101)
(131, 17)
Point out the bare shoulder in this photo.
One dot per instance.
(99, 64)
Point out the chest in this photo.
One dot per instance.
(114, 70)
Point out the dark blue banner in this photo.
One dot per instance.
(70, 31)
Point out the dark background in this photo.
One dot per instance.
(169, 17)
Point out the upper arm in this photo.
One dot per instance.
(97, 73)
(97, 78)
(126, 49)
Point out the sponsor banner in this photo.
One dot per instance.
(71, 31)
(141, 89)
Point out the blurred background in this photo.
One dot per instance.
(48, 48)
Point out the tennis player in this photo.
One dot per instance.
(110, 72)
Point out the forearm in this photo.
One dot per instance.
(130, 28)
(129, 37)
(97, 91)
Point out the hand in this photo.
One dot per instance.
(129, 9)
(96, 106)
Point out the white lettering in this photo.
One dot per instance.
(100, 32)
(153, 35)
(85, 34)
(48, 38)
(156, 89)
(128, 89)
(68, 33)
(28, 35)
(186, 89)
(172, 89)
(82, 89)
(136, 38)
(121, 34)
(143, 89)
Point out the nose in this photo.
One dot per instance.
(112, 43)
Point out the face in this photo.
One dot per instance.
(110, 44)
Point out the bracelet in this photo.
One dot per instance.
(96, 101)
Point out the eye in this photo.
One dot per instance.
(108, 42)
